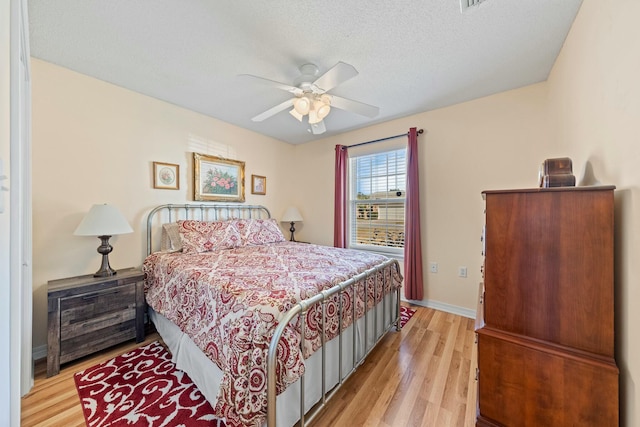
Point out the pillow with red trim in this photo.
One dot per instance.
(255, 232)
(207, 236)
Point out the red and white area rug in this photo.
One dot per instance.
(405, 314)
(142, 388)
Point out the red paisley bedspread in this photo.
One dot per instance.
(230, 302)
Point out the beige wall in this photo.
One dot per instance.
(490, 143)
(94, 142)
(595, 99)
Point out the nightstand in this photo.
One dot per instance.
(87, 314)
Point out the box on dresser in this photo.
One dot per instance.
(87, 314)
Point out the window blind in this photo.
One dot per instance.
(377, 200)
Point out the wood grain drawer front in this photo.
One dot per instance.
(526, 386)
(82, 345)
(96, 320)
(86, 313)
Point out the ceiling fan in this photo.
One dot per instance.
(311, 98)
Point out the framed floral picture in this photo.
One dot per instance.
(166, 176)
(217, 179)
(258, 184)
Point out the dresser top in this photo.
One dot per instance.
(553, 189)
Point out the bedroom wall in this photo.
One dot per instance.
(94, 142)
(490, 143)
(595, 101)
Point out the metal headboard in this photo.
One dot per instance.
(201, 211)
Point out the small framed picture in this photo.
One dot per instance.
(166, 176)
(258, 184)
(217, 179)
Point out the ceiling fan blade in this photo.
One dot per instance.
(273, 110)
(294, 90)
(354, 106)
(339, 73)
(318, 128)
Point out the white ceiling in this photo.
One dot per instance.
(412, 55)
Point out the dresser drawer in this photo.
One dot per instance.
(528, 383)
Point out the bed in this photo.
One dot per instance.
(227, 292)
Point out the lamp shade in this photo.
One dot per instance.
(302, 105)
(103, 220)
(292, 214)
(322, 109)
(313, 117)
(295, 114)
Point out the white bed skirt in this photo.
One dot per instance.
(207, 376)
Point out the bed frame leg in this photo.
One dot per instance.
(398, 328)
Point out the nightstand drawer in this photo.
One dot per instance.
(85, 313)
(83, 344)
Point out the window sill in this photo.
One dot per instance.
(395, 255)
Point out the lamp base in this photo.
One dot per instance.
(105, 249)
(292, 230)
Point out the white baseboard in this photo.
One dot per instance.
(39, 352)
(437, 305)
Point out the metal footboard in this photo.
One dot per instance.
(301, 309)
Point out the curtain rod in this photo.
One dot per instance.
(420, 131)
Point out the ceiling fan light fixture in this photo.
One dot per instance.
(302, 105)
(310, 97)
(295, 114)
(321, 108)
(313, 117)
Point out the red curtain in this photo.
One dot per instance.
(412, 248)
(340, 201)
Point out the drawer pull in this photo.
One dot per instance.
(92, 296)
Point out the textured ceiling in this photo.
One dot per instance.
(412, 55)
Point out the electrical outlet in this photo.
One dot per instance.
(433, 267)
(462, 271)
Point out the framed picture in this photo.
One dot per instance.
(166, 176)
(217, 179)
(258, 184)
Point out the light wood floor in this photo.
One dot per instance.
(421, 376)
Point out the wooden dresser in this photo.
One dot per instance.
(546, 329)
(87, 314)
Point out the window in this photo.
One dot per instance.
(377, 196)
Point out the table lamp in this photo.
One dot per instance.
(292, 215)
(103, 221)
